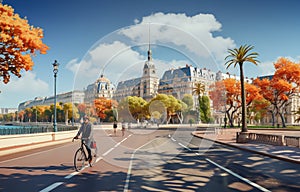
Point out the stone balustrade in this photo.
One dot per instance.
(292, 141)
(274, 139)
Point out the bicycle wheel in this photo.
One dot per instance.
(79, 160)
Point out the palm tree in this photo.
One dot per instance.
(239, 56)
(198, 90)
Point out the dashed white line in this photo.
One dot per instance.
(227, 170)
(51, 187)
(184, 146)
(238, 176)
(54, 185)
(107, 152)
(71, 175)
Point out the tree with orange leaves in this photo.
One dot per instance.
(102, 106)
(230, 90)
(19, 41)
(281, 87)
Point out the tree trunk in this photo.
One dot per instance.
(180, 117)
(199, 109)
(273, 118)
(282, 120)
(243, 95)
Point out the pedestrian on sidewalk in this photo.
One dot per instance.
(115, 126)
(123, 128)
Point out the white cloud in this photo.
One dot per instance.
(22, 89)
(266, 67)
(116, 61)
(73, 65)
(195, 33)
(121, 55)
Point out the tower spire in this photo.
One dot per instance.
(149, 49)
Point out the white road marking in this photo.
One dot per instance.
(51, 187)
(228, 171)
(107, 152)
(184, 146)
(54, 185)
(126, 186)
(71, 175)
(238, 176)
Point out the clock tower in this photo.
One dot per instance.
(149, 80)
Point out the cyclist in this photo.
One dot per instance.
(87, 135)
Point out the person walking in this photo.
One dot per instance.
(86, 132)
(115, 126)
(123, 128)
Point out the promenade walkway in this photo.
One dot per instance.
(228, 137)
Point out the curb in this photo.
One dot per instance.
(16, 149)
(251, 150)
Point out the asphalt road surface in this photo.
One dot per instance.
(148, 160)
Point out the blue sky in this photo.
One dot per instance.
(92, 37)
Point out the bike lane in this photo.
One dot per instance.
(48, 169)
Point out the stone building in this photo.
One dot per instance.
(145, 86)
(178, 82)
(102, 87)
(67, 97)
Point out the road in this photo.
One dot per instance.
(148, 160)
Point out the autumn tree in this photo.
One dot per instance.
(132, 109)
(70, 111)
(239, 56)
(21, 115)
(217, 93)
(19, 41)
(102, 105)
(233, 102)
(259, 108)
(283, 85)
(81, 109)
(226, 97)
(173, 106)
(137, 107)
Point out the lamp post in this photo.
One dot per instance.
(55, 70)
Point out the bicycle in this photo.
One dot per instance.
(81, 156)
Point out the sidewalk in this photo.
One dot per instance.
(228, 137)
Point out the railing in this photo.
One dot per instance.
(33, 129)
(275, 139)
(292, 141)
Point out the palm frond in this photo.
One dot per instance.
(241, 55)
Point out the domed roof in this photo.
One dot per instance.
(103, 79)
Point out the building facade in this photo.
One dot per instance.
(8, 110)
(68, 97)
(145, 86)
(178, 82)
(101, 88)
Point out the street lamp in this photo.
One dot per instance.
(55, 70)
